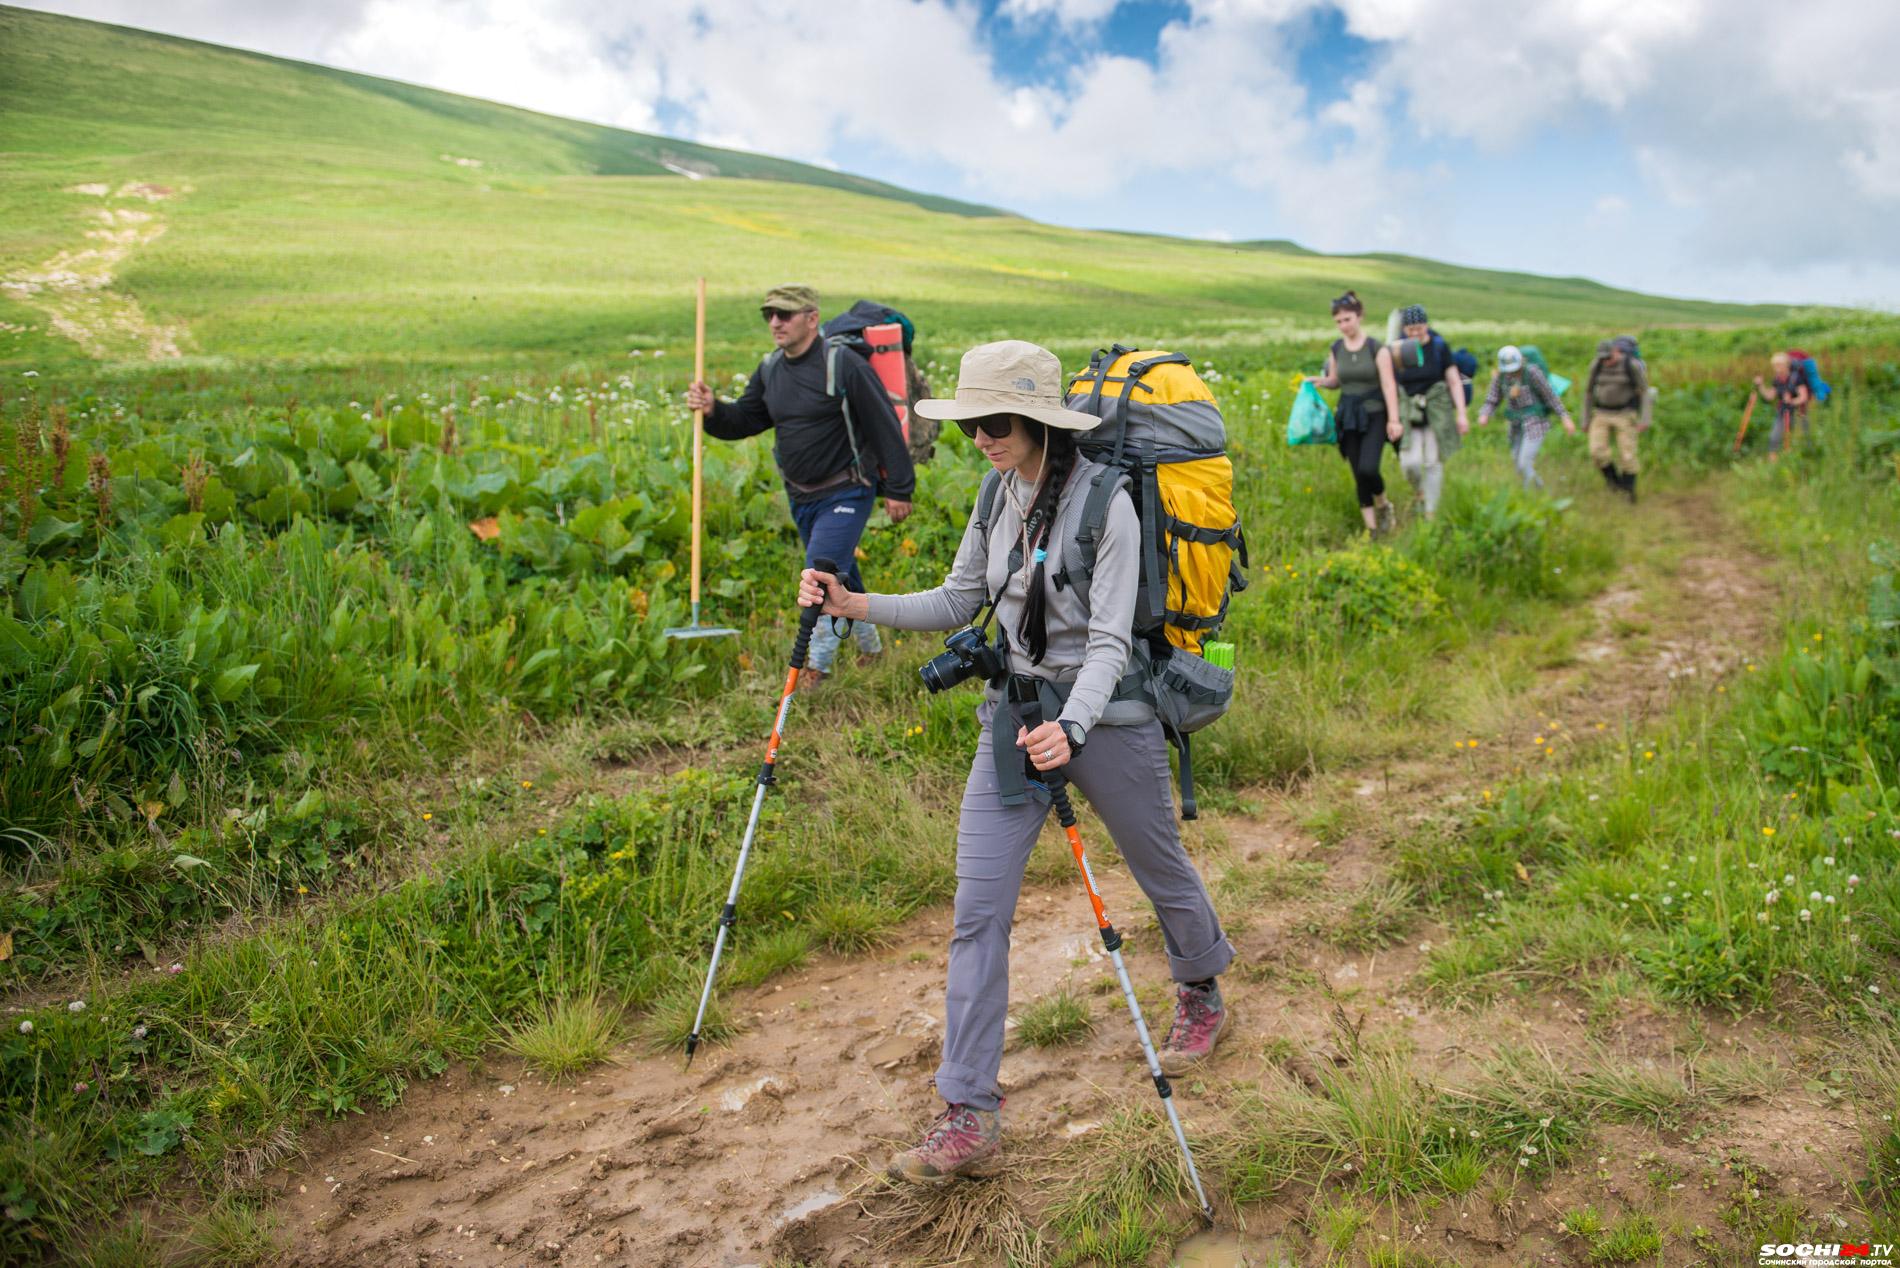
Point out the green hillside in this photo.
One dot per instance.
(248, 207)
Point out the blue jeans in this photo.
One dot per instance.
(830, 526)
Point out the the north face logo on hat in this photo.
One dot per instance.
(1025, 385)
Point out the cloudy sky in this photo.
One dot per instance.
(1736, 149)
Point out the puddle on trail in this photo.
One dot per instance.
(806, 1206)
(1218, 1248)
(732, 1100)
(890, 1051)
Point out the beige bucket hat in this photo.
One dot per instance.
(1009, 377)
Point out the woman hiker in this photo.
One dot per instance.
(1431, 406)
(1367, 415)
(1791, 396)
(1528, 402)
(1009, 402)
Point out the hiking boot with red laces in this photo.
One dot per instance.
(1199, 1016)
(957, 1144)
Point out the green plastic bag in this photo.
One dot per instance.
(1311, 422)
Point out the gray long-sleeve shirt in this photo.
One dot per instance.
(1089, 646)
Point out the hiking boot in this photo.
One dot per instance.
(957, 1144)
(809, 678)
(1629, 486)
(1612, 477)
(1199, 1017)
(1387, 516)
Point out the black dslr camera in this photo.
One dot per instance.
(969, 655)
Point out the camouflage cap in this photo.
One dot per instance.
(790, 298)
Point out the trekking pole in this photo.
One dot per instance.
(807, 622)
(1748, 412)
(1112, 943)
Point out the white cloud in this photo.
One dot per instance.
(503, 50)
(1743, 138)
(1069, 13)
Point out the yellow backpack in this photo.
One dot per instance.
(1161, 425)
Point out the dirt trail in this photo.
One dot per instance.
(752, 1157)
(74, 287)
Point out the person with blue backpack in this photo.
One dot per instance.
(1791, 396)
(1528, 399)
(1432, 406)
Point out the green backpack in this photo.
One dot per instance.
(1533, 355)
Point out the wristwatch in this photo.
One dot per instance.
(1077, 736)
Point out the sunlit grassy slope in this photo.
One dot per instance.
(322, 216)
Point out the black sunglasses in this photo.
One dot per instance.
(783, 314)
(996, 426)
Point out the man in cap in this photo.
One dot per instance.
(836, 439)
(1616, 404)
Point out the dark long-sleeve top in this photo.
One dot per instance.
(810, 443)
(1416, 380)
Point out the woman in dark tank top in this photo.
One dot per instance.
(1367, 416)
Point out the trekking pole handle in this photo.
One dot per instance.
(808, 618)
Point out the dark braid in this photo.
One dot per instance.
(1058, 461)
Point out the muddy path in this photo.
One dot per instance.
(765, 1152)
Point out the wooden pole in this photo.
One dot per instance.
(699, 433)
(1748, 412)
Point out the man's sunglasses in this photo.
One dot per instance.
(783, 314)
(996, 426)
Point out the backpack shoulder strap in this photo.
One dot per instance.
(769, 367)
(1079, 571)
(834, 387)
(986, 501)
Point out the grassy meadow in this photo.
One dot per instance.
(340, 740)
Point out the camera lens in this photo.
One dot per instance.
(943, 671)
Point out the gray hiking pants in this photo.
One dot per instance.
(1420, 461)
(1123, 771)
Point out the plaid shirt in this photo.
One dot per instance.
(1529, 395)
